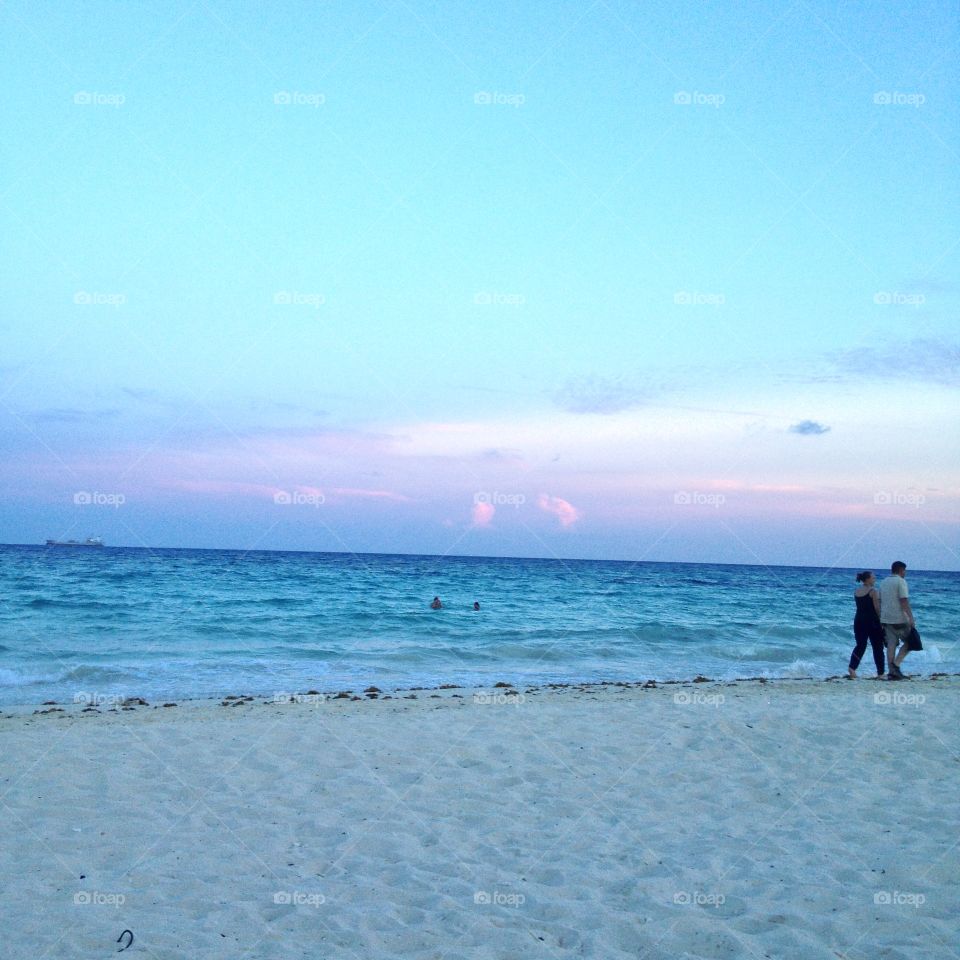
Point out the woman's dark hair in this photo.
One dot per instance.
(865, 576)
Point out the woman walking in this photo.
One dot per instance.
(866, 624)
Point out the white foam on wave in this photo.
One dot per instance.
(801, 668)
(10, 678)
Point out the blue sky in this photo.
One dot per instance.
(408, 256)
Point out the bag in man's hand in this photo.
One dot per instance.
(913, 640)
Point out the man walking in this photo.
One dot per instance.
(896, 617)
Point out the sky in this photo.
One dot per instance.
(659, 281)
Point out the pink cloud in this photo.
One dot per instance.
(483, 513)
(562, 509)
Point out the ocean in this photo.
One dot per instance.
(89, 624)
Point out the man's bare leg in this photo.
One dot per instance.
(895, 657)
(891, 638)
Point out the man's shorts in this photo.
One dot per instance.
(894, 632)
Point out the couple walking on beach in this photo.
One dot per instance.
(884, 617)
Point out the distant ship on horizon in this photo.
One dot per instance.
(89, 542)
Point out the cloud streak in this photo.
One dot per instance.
(363, 494)
(598, 395)
(925, 359)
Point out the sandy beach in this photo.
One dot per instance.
(702, 820)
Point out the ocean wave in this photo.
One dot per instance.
(314, 653)
(121, 576)
(97, 673)
(10, 678)
(43, 603)
(759, 652)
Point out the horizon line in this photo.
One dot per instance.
(470, 556)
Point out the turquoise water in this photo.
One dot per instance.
(187, 623)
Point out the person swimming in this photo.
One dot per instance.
(476, 604)
(435, 604)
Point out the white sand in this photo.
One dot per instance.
(784, 820)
